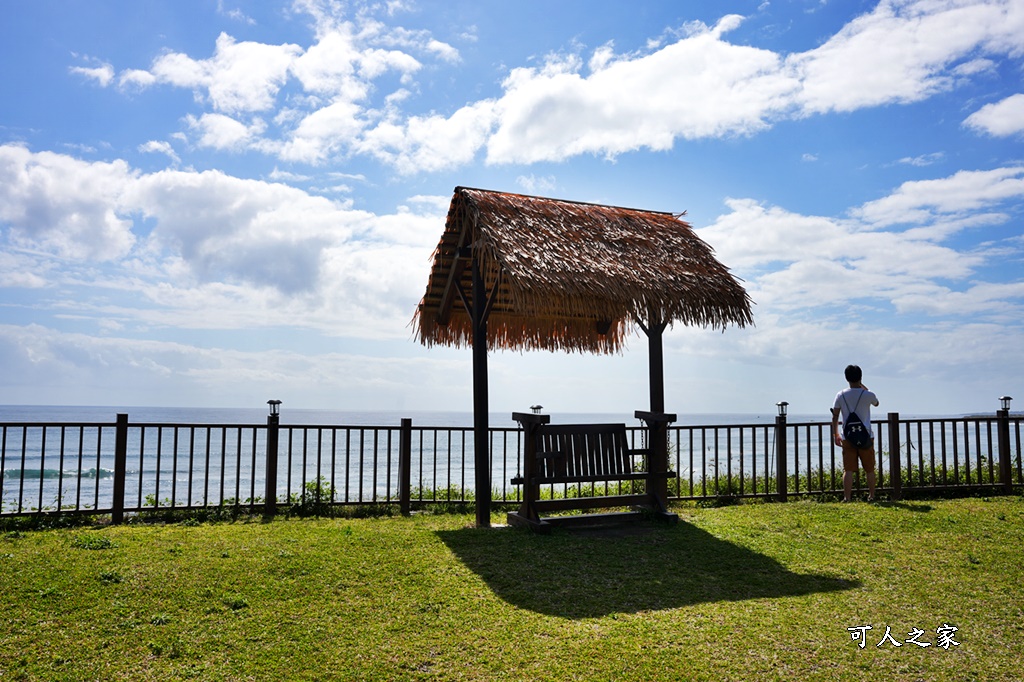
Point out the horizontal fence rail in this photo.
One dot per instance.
(124, 467)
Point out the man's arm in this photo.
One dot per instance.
(875, 401)
(835, 427)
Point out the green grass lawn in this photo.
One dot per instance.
(760, 591)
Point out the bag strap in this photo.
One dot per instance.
(843, 396)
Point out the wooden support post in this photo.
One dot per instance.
(781, 473)
(656, 362)
(404, 467)
(657, 465)
(481, 451)
(120, 467)
(527, 514)
(895, 477)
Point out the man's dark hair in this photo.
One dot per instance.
(853, 373)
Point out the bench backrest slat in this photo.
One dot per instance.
(584, 450)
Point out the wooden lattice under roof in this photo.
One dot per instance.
(564, 275)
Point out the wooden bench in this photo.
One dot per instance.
(589, 454)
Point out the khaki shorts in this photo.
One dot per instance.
(851, 454)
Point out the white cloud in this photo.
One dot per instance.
(240, 77)
(920, 201)
(923, 160)
(64, 206)
(210, 251)
(697, 87)
(537, 185)
(690, 84)
(805, 265)
(443, 50)
(999, 119)
(222, 132)
(21, 271)
(430, 143)
(903, 51)
(323, 133)
(160, 147)
(102, 74)
(116, 370)
(136, 78)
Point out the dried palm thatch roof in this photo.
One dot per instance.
(565, 275)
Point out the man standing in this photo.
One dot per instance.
(854, 403)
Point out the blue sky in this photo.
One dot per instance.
(216, 203)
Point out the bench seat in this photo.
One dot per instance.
(567, 454)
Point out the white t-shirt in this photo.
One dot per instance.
(856, 400)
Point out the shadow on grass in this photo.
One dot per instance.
(587, 575)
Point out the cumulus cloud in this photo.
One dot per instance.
(241, 76)
(999, 119)
(65, 206)
(102, 74)
(920, 201)
(697, 87)
(430, 143)
(892, 253)
(160, 147)
(902, 51)
(692, 83)
(115, 370)
(218, 131)
(209, 250)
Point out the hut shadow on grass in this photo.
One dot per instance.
(588, 575)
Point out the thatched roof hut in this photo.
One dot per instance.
(521, 272)
(565, 275)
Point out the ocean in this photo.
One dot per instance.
(200, 456)
(250, 415)
(203, 456)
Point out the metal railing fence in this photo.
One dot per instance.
(123, 467)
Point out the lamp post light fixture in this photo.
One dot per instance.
(783, 408)
(536, 408)
(275, 407)
(1004, 401)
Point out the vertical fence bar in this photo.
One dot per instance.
(896, 480)
(404, 467)
(120, 461)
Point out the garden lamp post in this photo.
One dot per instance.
(781, 475)
(270, 492)
(1003, 439)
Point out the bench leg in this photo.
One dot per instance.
(659, 505)
(521, 520)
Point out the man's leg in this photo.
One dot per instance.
(866, 457)
(847, 485)
(867, 460)
(849, 467)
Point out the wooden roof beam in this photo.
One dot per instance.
(452, 286)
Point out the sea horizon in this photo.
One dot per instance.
(18, 413)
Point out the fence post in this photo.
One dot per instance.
(895, 477)
(405, 467)
(1003, 431)
(273, 427)
(120, 465)
(781, 474)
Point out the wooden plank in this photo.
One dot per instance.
(566, 503)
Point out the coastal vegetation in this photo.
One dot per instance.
(752, 590)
